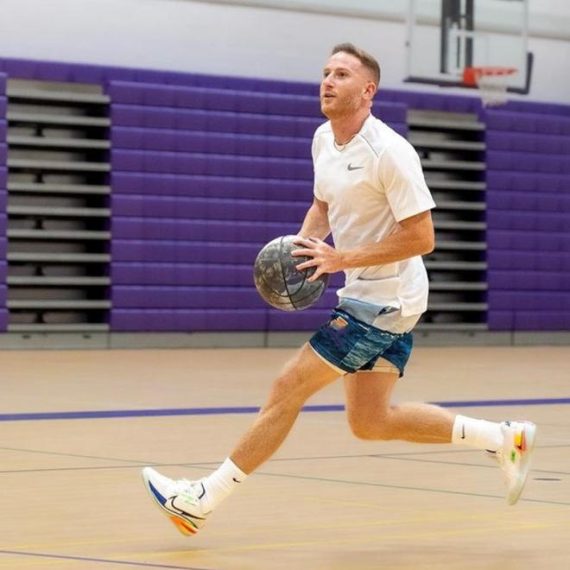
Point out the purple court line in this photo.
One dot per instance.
(162, 412)
(101, 560)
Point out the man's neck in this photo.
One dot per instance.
(346, 128)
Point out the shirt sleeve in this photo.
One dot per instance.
(402, 178)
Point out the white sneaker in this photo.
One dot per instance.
(514, 457)
(179, 500)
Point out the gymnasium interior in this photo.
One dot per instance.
(148, 151)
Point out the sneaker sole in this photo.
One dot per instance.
(529, 441)
(183, 526)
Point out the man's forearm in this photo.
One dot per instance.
(396, 247)
(315, 224)
(413, 236)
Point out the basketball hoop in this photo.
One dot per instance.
(491, 82)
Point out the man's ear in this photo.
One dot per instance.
(370, 90)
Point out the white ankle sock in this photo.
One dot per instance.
(480, 434)
(221, 483)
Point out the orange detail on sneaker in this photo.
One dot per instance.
(183, 526)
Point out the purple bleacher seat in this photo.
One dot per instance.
(3, 206)
(3, 130)
(391, 112)
(521, 240)
(525, 161)
(185, 297)
(207, 142)
(530, 300)
(528, 280)
(3, 107)
(3, 176)
(500, 320)
(3, 83)
(3, 272)
(209, 209)
(524, 142)
(189, 320)
(53, 71)
(531, 222)
(538, 107)
(3, 242)
(529, 320)
(498, 180)
(182, 274)
(199, 120)
(4, 316)
(90, 74)
(528, 201)
(19, 68)
(527, 122)
(183, 252)
(3, 153)
(213, 99)
(529, 260)
(213, 186)
(210, 164)
(200, 230)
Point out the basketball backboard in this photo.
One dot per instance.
(447, 36)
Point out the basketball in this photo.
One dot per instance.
(279, 283)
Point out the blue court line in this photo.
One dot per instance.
(162, 412)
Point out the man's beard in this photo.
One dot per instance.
(346, 108)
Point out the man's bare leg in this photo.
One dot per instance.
(303, 376)
(372, 416)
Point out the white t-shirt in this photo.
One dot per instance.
(370, 184)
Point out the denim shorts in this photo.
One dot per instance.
(352, 345)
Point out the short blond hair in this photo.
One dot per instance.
(368, 61)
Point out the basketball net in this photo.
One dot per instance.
(491, 82)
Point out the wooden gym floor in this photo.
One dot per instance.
(77, 426)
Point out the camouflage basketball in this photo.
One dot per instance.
(280, 283)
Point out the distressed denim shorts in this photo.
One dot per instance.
(352, 345)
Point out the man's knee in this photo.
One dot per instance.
(371, 428)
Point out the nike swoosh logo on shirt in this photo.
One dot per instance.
(350, 167)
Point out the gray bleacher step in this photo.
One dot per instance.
(444, 124)
(459, 225)
(456, 265)
(460, 205)
(67, 166)
(452, 164)
(457, 286)
(58, 235)
(58, 281)
(67, 304)
(46, 119)
(458, 185)
(50, 95)
(459, 327)
(70, 327)
(452, 245)
(32, 187)
(58, 212)
(50, 142)
(457, 307)
(423, 142)
(73, 258)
